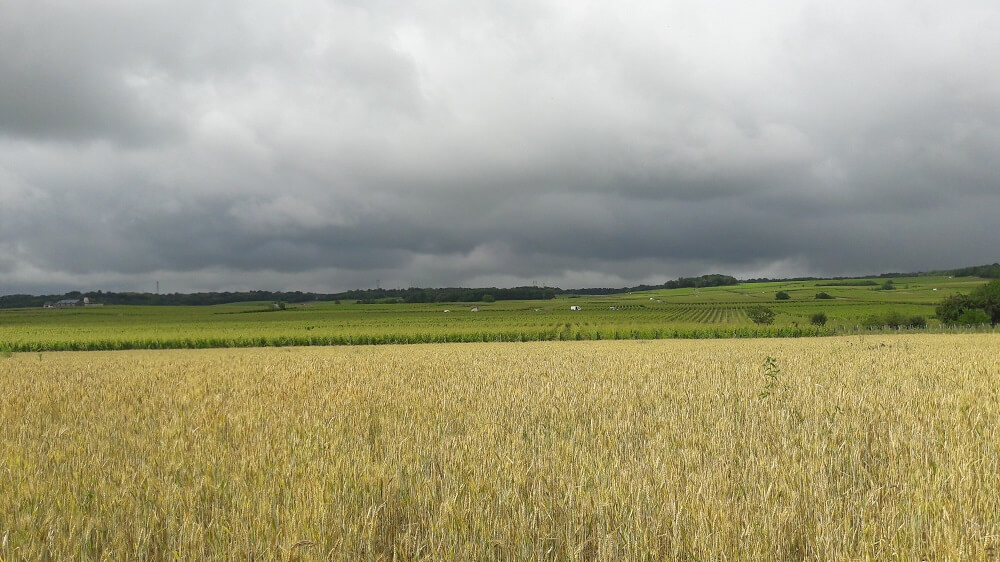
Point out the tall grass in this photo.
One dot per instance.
(867, 447)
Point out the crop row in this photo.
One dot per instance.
(559, 332)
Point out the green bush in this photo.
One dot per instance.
(974, 316)
(760, 314)
(893, 319)
(818, 319)
(823, 296)
(782, 296)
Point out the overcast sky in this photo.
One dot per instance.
(324, 145)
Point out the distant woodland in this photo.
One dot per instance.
(418, 294)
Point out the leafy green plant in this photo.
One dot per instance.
(782, 296)
(771, 372)
(974, 316)
(760, 314)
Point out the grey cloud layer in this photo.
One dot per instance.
(321, 145)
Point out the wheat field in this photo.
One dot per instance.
(860, 448)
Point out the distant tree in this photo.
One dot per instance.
(489, 298)
(918, 322)
(888, 285)
(760, 314)
(782, 296)
(823, 296)
(988, 271)
(818, 319)
(952, 307)
(987, 298)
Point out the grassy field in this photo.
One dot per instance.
(681, 313)
(860, 447)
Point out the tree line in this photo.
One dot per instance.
(361, 296)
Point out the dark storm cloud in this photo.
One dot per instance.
(323, 145)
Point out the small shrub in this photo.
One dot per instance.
(894, 319)
(760, 314)
(818, 319)
(918, 322)
(782, 296)
(872, 321)
(823, 296)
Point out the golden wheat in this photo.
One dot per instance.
(858, 448)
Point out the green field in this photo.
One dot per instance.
(680, 313)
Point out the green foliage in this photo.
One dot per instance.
(952, 307)
(771, 372)
(887, 285)
(894, 319)
(987, 271)
(973, 316)
(961, 308)
(760, 314)
(489, 298)
(782, 296)
(823, 296)
(711, 280)
(708, 313)
(987, 298)
(818, 319)
(872, 321)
